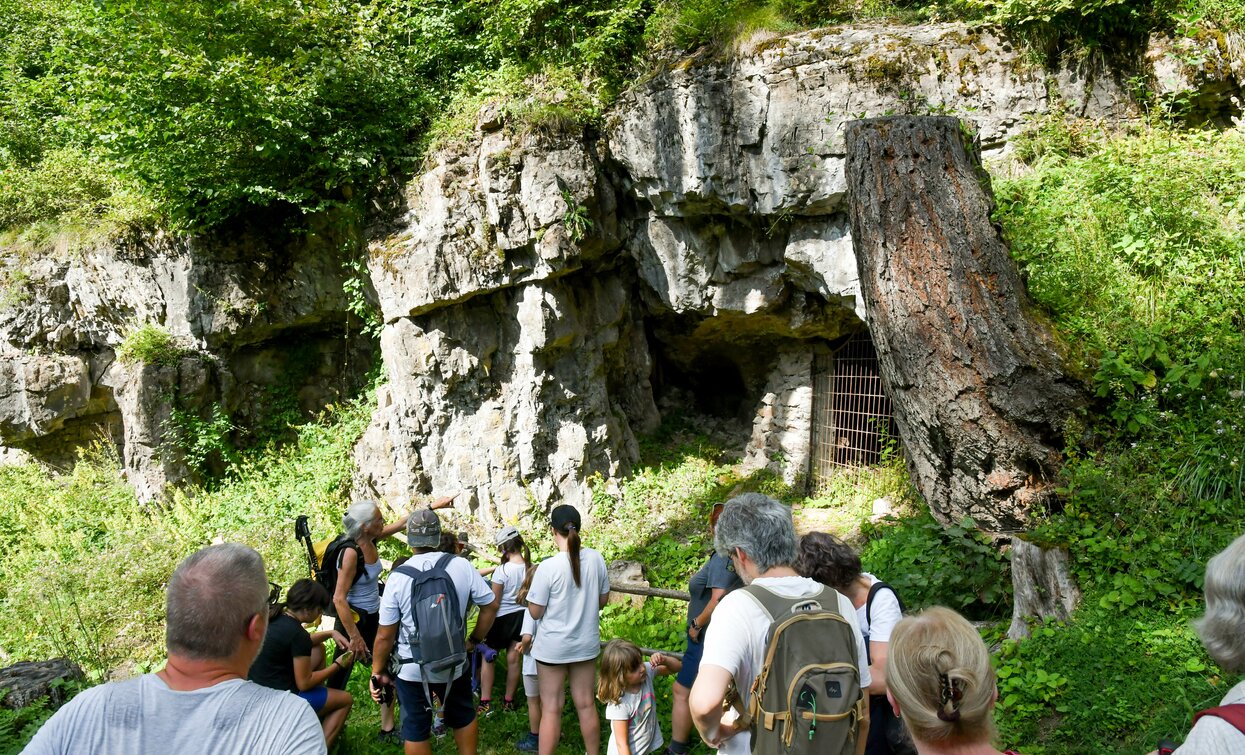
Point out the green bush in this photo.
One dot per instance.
(928, 564)
(150, 344)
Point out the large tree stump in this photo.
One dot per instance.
(1041, 586)
(980, 395)
(25, 682)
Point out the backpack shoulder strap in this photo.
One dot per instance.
(877, 587)
(342, 544)
(1233, 714)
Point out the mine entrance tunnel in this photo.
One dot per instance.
(852, 422)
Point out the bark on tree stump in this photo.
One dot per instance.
(1041, 586)
(979, 391)
(25, 682)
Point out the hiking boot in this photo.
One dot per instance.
(507, 706)
(484, 708)
(388, 737)
(529, 743)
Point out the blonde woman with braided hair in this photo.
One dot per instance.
(942, 685)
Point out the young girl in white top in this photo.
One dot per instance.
(516, 561)
(567, 594)
(626, 688)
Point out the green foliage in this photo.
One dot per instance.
(17, 727)
(150, 344)
(575, 220)
(928, 564)
(88, 565)
(199, 440)
(1103, 683)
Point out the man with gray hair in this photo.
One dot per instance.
(201, 702)
(756, 534)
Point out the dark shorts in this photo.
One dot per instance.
(458, 707)
(316, 697)
(691, 662)
(368, 624)
(505, 631)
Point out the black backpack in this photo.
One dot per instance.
(324, 558)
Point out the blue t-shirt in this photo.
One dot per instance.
(716, 574)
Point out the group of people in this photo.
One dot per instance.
(920, 683)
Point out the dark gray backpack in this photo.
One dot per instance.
(806, 697)
(439, 642)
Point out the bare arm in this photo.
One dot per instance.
(705, 703)
(536, 610)
(715, 597)
(345, 578)
(484, 621)
(603, 600)
(621, 743)
(665, 664)
(877, 669)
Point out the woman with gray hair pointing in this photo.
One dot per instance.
(356, 598)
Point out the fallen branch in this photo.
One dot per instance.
(651, 592)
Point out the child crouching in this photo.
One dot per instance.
(626, 688)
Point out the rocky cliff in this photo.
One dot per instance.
(544, 294)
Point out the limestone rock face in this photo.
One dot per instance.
(541, 292)
(254, 320)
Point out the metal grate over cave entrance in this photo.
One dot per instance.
(851, 412)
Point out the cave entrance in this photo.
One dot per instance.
(852, 424)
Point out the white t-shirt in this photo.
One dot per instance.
(639, 710)
(510, 576)
(570, 630)
(886, 614)
(234, 717)
(1214, 736)
(530, 626)
(395, 604)
(735, 641)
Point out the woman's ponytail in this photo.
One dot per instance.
(572, 550)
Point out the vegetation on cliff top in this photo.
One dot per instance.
(192, 114)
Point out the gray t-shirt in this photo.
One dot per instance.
(234, 717)
(716, 574)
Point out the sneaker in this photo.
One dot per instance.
(507, 706)
(529, 743)
(484, 708)
(389, 737)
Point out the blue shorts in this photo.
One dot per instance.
(457, 703)
(691, 662)
(316, 697)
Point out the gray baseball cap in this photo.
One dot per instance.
(423, 529)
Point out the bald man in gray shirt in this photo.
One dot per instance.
(201, 701)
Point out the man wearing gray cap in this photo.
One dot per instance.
(438, 580)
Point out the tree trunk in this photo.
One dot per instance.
(980, 395)
(1041, 586)
(23, 683)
